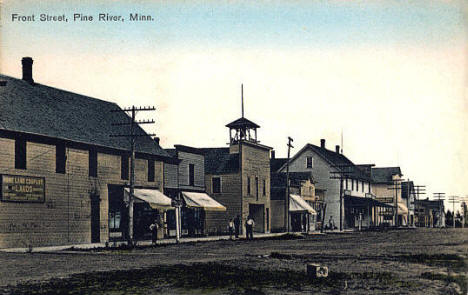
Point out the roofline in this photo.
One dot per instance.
(188, 149)
(256, 144)
(303, 149)
(44, 139)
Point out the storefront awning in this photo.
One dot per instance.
(296, 204)
(364, 202)
(202, 200)
(402, 209)
(153, 197)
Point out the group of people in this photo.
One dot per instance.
(234, 227)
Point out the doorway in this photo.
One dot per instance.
(257, 212)
(95, 219)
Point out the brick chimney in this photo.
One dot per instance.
(322, 143)
(27, 69)
(337, 149)
(272, 154)
(156, 139)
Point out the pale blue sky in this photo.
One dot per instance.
(391, 74)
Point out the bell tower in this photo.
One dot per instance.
(242, 129)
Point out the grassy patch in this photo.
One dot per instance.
(447, 260)
(461, 280)
(209, 277)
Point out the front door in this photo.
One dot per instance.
(95, 219)
(257, 212)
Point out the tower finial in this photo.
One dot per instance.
(242, 99)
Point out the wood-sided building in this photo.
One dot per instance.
(62, 174)
(239, 176)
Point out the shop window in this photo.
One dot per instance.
(150, 170)
(92, 163)
(124, 167)
(216, 184)
(309, 162)
(191, 174)
(20, 153)
(60, 158)
(114, 220)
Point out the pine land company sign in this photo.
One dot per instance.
(18, 188)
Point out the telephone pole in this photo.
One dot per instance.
(342, 172)
(133, 134)
(440, 197)
(453, 200)
(418, 190)
(290, 146)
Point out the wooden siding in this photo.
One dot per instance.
(255, 162)
(199, 164)
(230, 197)
(170, 175)
(65, 216)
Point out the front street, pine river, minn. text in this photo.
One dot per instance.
(81, 17)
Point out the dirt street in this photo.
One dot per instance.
(429, 261)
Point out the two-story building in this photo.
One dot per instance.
(239, 176)
(386, 186)
(63, 176)
(186, 181)
(348, 199)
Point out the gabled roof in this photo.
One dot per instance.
(384, 174)
(242, 122)
(220, 161)
(277, 163)
(334, 159)
(46, 111)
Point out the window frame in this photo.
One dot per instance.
(213, 184)
(92, 162)
(21, 153)
(191, 174)
(151, 174)
(124, 167)
(311, 162)
(60, 158)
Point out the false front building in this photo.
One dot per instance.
(239, 176)
(63, 177)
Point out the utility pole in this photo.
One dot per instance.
(418, 190)
(396, 186)
(133, 134)
(342, 172)
(290, 146)
(453, 200)
(440, 197)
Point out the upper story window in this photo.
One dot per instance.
(248, 185)
(60, 158)
(309, 162)
(256, 187)
(150, 170)
(191, 174)
(216, 184)
(124, 167)
(92, 163)
(264, 187)
(20, 153)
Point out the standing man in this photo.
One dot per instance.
(249, 225)
(154, 231)
(237, 226)
(231, 228)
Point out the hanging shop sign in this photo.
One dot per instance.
(18, 188)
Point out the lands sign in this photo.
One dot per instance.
(17, 188)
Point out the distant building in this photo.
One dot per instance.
(63, 177)
(326, 166)
(239, 176)
(387, 188)
(429, 213)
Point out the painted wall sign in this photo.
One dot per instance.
(18, 188)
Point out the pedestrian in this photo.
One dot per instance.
(237, 226)
(331, 224)
(231, 228)
(249, 225)
(154, 231)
